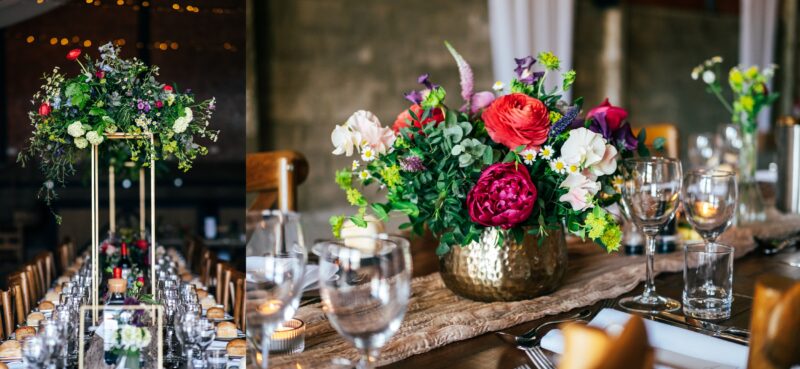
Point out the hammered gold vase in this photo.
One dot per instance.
(485, 271)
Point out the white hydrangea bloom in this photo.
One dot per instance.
(180, 125)
(94, 138)
(76, 129)
(81, 142)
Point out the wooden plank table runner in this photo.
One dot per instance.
(437, 317)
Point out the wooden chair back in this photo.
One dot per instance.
(21, 280)
(237, 288)
(7, 305)
(19, 301)
(33, 283)
(775, 323)
(62, 252)
(224, 286)
(207, 263)
(50, 268)
(274, 177)
(667, 131)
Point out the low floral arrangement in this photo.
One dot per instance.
(130, 339)
(113, 95)
(522, 161)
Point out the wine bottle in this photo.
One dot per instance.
(117, 287)
(124, 262)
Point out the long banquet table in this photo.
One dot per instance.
(488, 351)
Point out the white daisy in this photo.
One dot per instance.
(498, 86)
(364, 175)
(367, 154)
(355, 165)
(558, 166)
(617, 182)
(528, 156)
(573, 168)
(546, 152)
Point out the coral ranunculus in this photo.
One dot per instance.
(73, 54)
(404, 117)
(503, 196)
(517, 119)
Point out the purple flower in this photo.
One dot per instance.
(524, 72)
(414, 96)
(423, 80)
(412, 164)
(140, 105)
(623, 137)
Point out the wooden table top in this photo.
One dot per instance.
(488, 351)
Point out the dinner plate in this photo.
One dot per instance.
(10, 359)
(227, 318)
(228, 339)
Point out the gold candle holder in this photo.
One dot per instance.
(289, 337)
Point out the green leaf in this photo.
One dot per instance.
(442, 249)
(487, 156)
(358, 221)
(97, 112)
(406, 207)
(659, 143)
(380, 210)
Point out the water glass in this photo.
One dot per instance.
(217, 358)
(708, 281)
(367, 297)
(703, 150)
(651, 192)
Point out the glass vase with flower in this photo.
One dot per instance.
(749, 90)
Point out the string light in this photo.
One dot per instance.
(30, 39)
(75, 39)
(53, 41)
(176, 6)
(173, 45)
(145, 3)
(120, 2)
(87, 43)
(64, 41)
(39, 1)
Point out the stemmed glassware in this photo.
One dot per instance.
(709, 201)
(367, 296)
(276, 259)
(34, 352)
(205, 332)
(651, 192)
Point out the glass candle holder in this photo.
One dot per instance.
(289, 337)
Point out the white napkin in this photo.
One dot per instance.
(674, 347)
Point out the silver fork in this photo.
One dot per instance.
(538, 358)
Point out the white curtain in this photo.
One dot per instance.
(525, 27)
(758, 23)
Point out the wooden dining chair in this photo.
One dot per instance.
(62, 252)
(219, 275)
(50, 268)
(238, 285)
(274, 177)
(19, 301)
(224, 287)
(41, 270)
(33, 281)
(207, 263)
(20, 279)
(666, 131)
(7, 306)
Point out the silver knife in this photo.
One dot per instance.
(744, 333)
(680, 324)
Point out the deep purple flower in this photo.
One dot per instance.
(624, 137)
(503, 196)
(412, 164)
(524, 72)
(611, 122)
(423, 80)
(414, 96)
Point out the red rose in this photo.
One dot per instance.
(404, 117)
(167, 88)
(100, 74)
(140, 279)
(73, 54)
(44, 109)
(614, 114)
(517, 119)
(159, 104)
(503, 196)
(141, 244)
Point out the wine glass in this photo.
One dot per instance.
(34, 352)
(367, 295)
(205, 336)
(703, 150)
(276, 259)
(185, 328)
(709, 201)
(651, 192)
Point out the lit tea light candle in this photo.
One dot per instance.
(270, 307)
(289, 337)
(705, 209)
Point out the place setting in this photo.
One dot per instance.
(527, 204)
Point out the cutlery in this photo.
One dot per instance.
(722, 335)
(538, 358)
(532, 337)
(771, 247)
(744, 333)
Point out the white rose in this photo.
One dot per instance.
(76, 129)
(709, 77)
(81, 142)
(188, 114)
(344, 140)
(180, 125)
(608, 164)
(581, 189)
(94, 138)
(583, 148)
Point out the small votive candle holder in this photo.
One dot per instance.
(289, 337)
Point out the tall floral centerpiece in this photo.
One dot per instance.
(749, 93)
(127, 343)
(515, 168)
(112, 95)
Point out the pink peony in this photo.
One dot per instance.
(503, 196)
